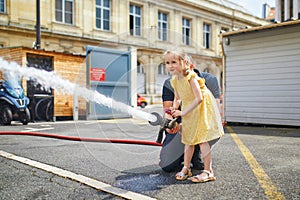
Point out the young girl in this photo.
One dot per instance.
(201, 120)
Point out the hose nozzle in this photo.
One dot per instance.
(164, 124)
(159, 119)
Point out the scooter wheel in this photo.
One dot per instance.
(25, 116)
(6, 116)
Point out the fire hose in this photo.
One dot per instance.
(82, 139)
(164, 124)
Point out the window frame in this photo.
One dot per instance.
(162, 32)
(64, 12)
(4, 6)
(133, 16)
(186, 26)
(206, 35)
(101, 20)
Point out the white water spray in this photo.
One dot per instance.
(51, 80)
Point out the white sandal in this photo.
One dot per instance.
(183, 176)
(210, 177)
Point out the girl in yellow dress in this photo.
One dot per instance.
(201, 121)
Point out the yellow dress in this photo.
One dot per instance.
(204, 122)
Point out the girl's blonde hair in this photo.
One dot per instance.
(186, 60)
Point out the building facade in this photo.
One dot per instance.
(269, 12)
(287, 10)
(149, 26)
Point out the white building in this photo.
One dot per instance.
(261, 74)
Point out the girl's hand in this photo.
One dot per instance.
(176, 113)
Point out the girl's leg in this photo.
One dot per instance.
(186, 171)
(206, 156)
(188, 154)
(207, 174)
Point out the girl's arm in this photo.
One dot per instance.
(198, 99)
(177, 101)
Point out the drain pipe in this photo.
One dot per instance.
(38, 26)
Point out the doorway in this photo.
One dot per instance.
(41, 101)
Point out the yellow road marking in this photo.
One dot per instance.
(264, 180)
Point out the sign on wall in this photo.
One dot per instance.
(97, 74)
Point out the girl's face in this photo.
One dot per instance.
(173, 64)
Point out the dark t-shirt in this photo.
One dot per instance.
(211, 83)
(168, 91)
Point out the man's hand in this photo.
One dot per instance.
(173, 130)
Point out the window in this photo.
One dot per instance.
(140, 69)
(140, 78)
(64, 10)
(162, 26)
(206, 36)
(206, 70)
(135, 20)
(2, 6)
(103, 14)
(162, 69)
(186, 31)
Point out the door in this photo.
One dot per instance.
(108, 73)
(41, 101)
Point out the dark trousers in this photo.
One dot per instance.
(172, 153)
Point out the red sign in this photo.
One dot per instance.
(97, 74)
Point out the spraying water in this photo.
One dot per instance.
(51, 80)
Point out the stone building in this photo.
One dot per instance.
(149, 26)
(287, 10)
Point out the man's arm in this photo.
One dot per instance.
(215, 90)
(167, 95)
(213, 85)
(167, 98)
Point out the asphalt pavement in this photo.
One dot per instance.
(250, 162)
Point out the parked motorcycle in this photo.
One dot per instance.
(13, 102)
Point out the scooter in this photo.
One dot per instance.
(13, 102)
